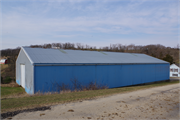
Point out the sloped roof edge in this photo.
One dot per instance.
(27, 55)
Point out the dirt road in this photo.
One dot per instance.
(154, 103)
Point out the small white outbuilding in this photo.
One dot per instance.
(3, 61)
(174, 71)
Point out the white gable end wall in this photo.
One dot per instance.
(28, 82)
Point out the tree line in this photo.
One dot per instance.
(159, 51)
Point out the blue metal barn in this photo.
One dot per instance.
(37, 69)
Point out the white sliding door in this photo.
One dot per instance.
(23, 76)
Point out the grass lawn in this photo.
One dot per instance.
(9, 91)
(11, 104)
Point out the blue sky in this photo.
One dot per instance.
(94, 22)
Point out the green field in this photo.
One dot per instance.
(16, 103)
(11, 91)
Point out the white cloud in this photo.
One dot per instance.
(58, 20)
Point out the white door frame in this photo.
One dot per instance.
(22, 75)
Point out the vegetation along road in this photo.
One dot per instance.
(159, 101)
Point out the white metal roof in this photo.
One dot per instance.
(173, 66)
(59, 56)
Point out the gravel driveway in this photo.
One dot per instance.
(154, 103)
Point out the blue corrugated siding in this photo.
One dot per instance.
(110, 75)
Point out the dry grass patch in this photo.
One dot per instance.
(3, 66)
